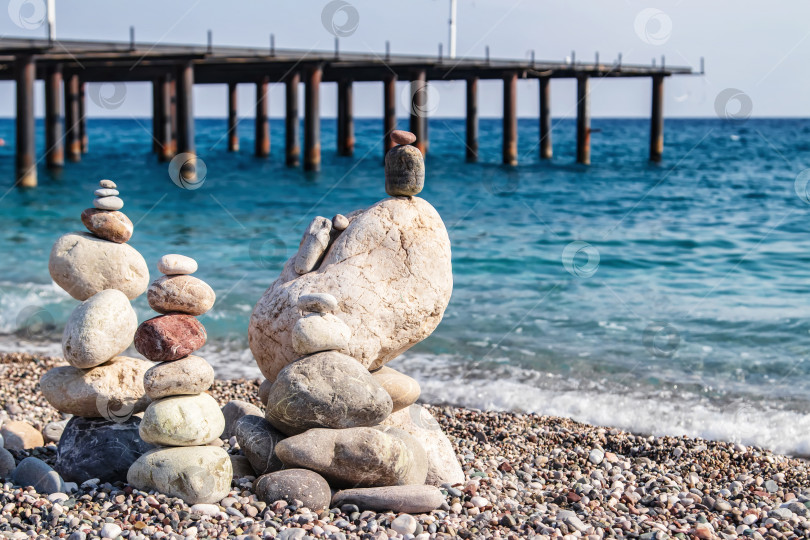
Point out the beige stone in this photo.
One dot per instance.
(173, 264)
(182, 421)
(83, 265)
(187, 376)
(313, 245)
(357, 457)
(180, 294)
(320, 332)
(390, 272)
(19, 436)
(197, 474)
(113, 390)
(410, 499)
(443, 465)
(100, 328)
(403, 390)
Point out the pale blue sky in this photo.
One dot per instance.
(751, 46)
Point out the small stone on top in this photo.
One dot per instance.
(108, 184)
(172, 264)
(317, 302)
(106, 192)
(399, 136)
(108, 203)
(340, 222)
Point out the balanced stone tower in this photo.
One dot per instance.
(360, 291)
(182, 419)
(100, 388)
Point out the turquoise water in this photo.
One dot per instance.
(694, 320)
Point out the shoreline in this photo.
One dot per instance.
(526, 475)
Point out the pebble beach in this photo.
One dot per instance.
(526, 476)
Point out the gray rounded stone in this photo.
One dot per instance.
(106, 192)
(99, 329)
(258, 439)
(53, 431)
(317, 302)
(107, 184)
(36, 473)
(83, 264)
(188, 376)
(264, 390)
(410, 499)
(196, 474)
(7, 464)
(340, 222)
(404, 171)
(328, 390)
(182, 421)
(363, 456)
(233, 411)
(108, 203)
(99, 448)
(180, 294)
(294, 484)
(313, 245)
(318, 332)
(241, 467)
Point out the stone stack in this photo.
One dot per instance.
(100, 388)
(361, 290)
(182, 418)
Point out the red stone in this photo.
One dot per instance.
(402, 137)
(169, 337)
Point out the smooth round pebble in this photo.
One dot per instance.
(180, 294)
(187, 376)
(317, 302)
(169, 337)
(404, 524)
(172, 264)
(108, 203)
(399, 136)
(107, 184)
(108, 224)
(106, 192)
(340, 222)
(182, 421)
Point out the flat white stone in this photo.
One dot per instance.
(107, 184)
(173, 264)
(108, 203)
(106, 192)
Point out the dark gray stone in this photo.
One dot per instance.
(36, 473)
(99, 448)
(258, 438)
(290, 484)
(233, 411)
(404, 171)
(7, 463)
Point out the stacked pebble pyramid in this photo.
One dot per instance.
(101, 389)
(182, 419)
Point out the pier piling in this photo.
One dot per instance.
(26, 163)
(156, 115)
(83, 140)
(546, 150)
(233, 120)
(185, 108)
(262, 146)
(292, 147)
(472, 119)
(345, 119)
(583, 120)
(418, 121)
(510, 119)
(312, 119)
(657, 119)
(165, 133)
(389, 110)
(54, 149)
(73, 143)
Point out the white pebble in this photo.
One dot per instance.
(206, 509)
(479, 502)
(340, 222)
(404, 524)
(173, 264)
(108, 184)
(110, 530)
(106, 192)
(108, 203)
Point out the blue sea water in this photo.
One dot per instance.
(666, 298)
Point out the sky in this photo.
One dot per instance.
(753, 52)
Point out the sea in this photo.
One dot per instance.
(664, 298)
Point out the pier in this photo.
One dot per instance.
(173, 71)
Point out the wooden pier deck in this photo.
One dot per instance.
(66, 66)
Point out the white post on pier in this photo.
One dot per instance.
(51, 14)
(451, 46)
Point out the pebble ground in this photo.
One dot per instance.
(527, 476)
